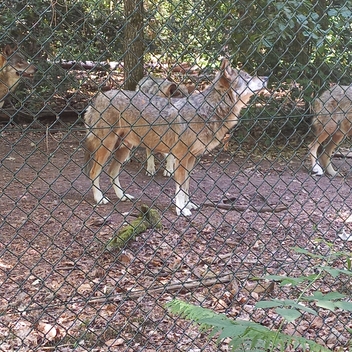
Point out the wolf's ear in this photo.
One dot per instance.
(226, 67)
(172, 89)
(2, 61)
(224, 64)
(225, 77)
(8, 50)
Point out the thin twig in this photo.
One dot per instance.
(47, 139)
(189, 285)
(241, 208)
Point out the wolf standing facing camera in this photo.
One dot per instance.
(119, 120)
(12, 67)
(332, 121)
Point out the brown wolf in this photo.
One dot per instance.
(164, 88)
(187, 127)
(332, 122)
(12, 67)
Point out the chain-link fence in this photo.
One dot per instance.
(248, 220)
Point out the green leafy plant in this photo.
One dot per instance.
(289, 309)
(245, 335)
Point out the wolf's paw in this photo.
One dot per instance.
(126, 197)
(184, 212)
(191, 205)
(167, 173)
(102, 201)
(335, 174)
(317, 170)
(150, 172)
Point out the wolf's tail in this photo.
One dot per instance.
(90, 143)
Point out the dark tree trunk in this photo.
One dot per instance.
(320, 79)
(133, 43)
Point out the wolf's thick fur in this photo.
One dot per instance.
(12, 67)
(332, 122)
(186, 128)
(161, 87)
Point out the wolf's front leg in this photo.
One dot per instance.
(313, 151)
(150, 163)
(169, 165)
(97, 193)
(187, 203)
(95, 159)
(182, 178)
(180, 202)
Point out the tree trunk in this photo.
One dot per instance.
(320, 79)
(133, 43)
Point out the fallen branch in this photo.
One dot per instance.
(148, 218)
(19, 115)
(189, 285)
(343, 154)
(241, 208)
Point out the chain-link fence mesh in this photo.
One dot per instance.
(77, 276)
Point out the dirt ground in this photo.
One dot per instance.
(62, 290)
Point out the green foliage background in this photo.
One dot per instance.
(304, 43)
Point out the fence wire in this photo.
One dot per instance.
(269, 241)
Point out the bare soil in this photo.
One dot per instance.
(62, 290)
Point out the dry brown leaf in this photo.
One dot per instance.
(110, 308)
(317, 323)
(220, 305)
(290, 329)
(101, 221)
(5, 266)
(84, 288)
(48, 331)
(124, 258)
(67, 263)
(255, 295)
(65, 318)
(261, 287)
(115, 342)
(98, 273)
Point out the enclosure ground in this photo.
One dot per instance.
(61, 289)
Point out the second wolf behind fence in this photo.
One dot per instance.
(332, 122)
(12, 67)
(162, 87)
(120, 120)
